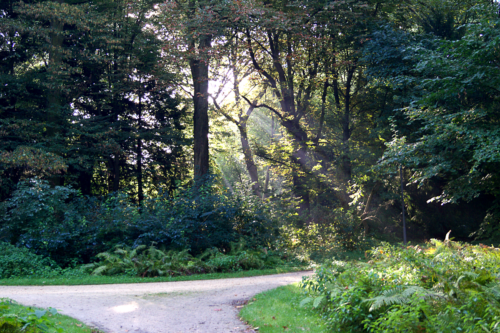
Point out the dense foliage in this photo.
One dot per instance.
(17, 262)
(438, 287)
(28, 320)
(192, 125)
(452, 91)
(46, 221)
(152, 262)
(16, 318)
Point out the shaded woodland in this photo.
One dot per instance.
(194, 124)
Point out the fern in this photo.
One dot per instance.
(100, 270)
(400, 295)
(317, 301)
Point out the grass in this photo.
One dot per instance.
(55, 322)
(278, 310)
(91, 279)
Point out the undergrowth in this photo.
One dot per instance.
(150, 261)
(438, 287)
(15, 318)
(142, 262)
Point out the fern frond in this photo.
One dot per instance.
(99, 270)
(400, 295)
(306, 301)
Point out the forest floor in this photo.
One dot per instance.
(203, 306)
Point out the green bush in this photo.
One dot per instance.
(150, 261)
(59, 223)
(18, 262)
(146, 262)
(26, 320)
(339, 231)
(203, 218)
(441, 287)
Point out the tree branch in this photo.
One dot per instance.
(263, 106)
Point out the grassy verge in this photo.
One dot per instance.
(91, 279)
(18, 318)
(278, 310)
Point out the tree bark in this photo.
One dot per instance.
(140, 189)
(249, 161)
(266, 182)
(85, 180)
(199, 72)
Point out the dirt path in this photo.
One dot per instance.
(205, 306)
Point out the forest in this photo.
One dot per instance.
(231, 135)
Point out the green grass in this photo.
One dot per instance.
(278, 310)
(55, 323)
(91, 279)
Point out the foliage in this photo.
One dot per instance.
(97, 115)
(33, 161)
(20, 262)
(240, 257)
(82, 90)
(15, 318)
(60, 223)
(452, 108)
(33, 212)
(438, 287)
(28, 320)
(205, 217)
(338, 232)
(146, 261)
(152, 262)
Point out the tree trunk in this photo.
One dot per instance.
(85, 180)
(266, 183)
(140, 190)
(301, 190)
(345, 160)
(114, 173)
(199, 73)
(247, 153)
(364, 216)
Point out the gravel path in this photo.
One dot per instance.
(205, 306)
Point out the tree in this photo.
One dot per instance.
(113, 100)
(453, 109)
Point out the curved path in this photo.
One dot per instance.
(204, 306)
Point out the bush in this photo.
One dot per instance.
(338, 231)
(239, 258)
(204, 218)
(441, 287)
(149, 261)
(59, 223)
(16, 319)
(19, 262)
(146, 261)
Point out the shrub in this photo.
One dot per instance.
(338, 231)
(59, 223)
(16, 319)
(19, 262)
(441, 287)
(150, 261)
(146, 261)
(204, 218)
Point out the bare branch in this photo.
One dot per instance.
(263, 106)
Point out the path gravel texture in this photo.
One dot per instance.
(204, 306)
